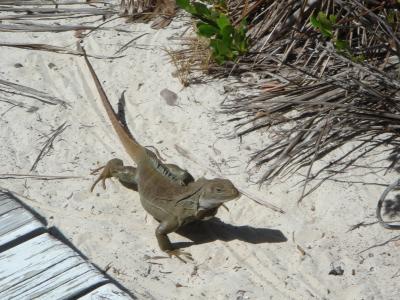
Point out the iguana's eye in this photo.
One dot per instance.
(218, 190)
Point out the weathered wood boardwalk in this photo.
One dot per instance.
(34, 264)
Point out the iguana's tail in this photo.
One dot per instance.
(132, 147)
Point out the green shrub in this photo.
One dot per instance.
(226, 41)
(326, 24)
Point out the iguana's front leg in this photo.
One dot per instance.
(162, 230)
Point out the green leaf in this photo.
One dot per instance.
(202, 9)
(222, 48)
(324, 22)
(360, 58)
(223, 21)
(332, 19)
(183, 3)
(326, 32)
(341, 45)
(314, 22)
(214, 14)
(219, 59)
(206, 30)
(390, 17)
(227, 35)
(213, 45)
(241, 30)
(225, 41)
(243, 46)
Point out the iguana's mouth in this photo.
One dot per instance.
(235, 196)
(238, 196)
(208, 203)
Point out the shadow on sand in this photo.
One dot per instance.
(202, 232)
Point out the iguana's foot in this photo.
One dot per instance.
(108, 169)
(178, 253)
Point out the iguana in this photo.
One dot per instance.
(166, 191)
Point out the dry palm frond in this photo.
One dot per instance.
(50, 48)
(36, 27)
(131, 7)
(50, 10)
(314, 96)
(163, 11)
(11, 88)
(18, 16)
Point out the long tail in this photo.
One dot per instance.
(132, 147)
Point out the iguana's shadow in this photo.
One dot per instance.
(202, 232)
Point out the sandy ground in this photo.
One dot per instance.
(250, 252)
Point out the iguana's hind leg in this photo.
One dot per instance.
(115, 168)
(162, 230)
(127, 174)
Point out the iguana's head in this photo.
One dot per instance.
(217, 191)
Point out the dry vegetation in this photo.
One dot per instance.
(193, 57)
(315, 90)
(318, 88)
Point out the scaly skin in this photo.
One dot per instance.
(166, 192)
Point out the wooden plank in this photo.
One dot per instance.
(46, 268)
(108, 291)
(3, 202)
(7, 204)
(4, 199)
(15, 220)
(41, 282)
(66, 285)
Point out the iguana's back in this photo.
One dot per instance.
(162, 197)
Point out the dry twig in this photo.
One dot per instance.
(48, 145)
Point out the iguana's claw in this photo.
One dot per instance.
(178, 253)
(102, 177)
(95, 171)
(107, 172)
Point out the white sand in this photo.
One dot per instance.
(238, 258)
